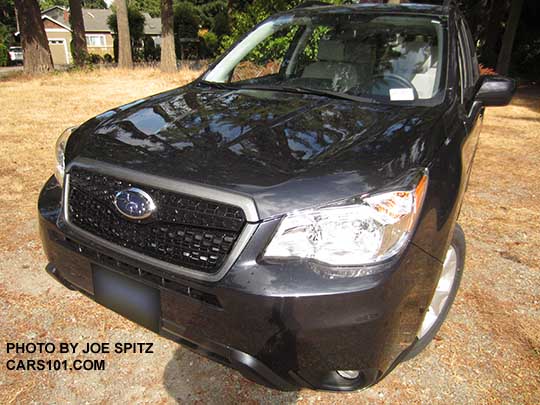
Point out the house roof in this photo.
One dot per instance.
(95, 19)
(152, 25)
(46, 17)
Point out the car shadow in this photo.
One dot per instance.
(191, 378)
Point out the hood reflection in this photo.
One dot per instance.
(267, 144)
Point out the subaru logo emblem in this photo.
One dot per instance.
(134, 203)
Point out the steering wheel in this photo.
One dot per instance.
(388, 78)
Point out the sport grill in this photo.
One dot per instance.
(185, 230)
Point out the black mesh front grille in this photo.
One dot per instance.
(185, 230)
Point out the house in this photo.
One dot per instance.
(99, 38)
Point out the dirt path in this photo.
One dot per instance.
(488, 350)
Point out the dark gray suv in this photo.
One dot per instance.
(292, 213)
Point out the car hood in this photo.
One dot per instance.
(286, 151)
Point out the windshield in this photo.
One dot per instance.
(394, 58)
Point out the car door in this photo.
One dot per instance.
(470, 111)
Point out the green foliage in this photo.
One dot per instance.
(312, 48)
(5, 34)
(4, 56)
(94, 4)
(45, 4)
(209, 45)
(187, 19)
(95, 58)
(7, 22)
(273, 47)
(138, 54)
(135, 21)
(253, 13)
(136, 31)
(209, 12)
(150, 51)
(222, 25)
(152, 7)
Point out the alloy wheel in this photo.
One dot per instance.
(442, 292)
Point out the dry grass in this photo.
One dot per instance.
(488, 351)
(36, 110)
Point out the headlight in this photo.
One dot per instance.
(359, 231)
(60, 151)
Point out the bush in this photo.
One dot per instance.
(95, 58)
(222, 25)
(151, 52)
(108, 58)
(210, 11)
(187, 19)
(209, 45)
(4, 55)
(138, 55)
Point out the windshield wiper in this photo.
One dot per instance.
(309, 90)
(290, 89)
(218, 85)
(328, 93)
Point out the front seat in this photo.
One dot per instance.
(332, 67)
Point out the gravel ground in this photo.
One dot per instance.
(488, 351)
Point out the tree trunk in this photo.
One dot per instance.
(125, 59)
(493, 33)
(80, 52)
(168, 53)
(503, 62)
(37, 55)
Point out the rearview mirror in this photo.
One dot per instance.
(496, 91)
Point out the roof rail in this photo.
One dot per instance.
(312, 3)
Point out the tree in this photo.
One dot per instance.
(152, 7)
(37, 55)
(187, 18)
(125, 59)
(168, 53)
(136, 29)
(503, 62)
(80, 52)
(8, 22)
(45, 4)
(492, 32)
(94, 4)
(221, 24)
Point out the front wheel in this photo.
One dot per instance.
(445, 293)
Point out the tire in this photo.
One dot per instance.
(458, 244)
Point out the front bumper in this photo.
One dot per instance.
(282, 326)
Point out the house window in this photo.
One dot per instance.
(95, 40)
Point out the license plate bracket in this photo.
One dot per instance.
(132, 299)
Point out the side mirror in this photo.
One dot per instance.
(495, 91)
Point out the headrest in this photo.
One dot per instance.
(358, 52)
(331, 50)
